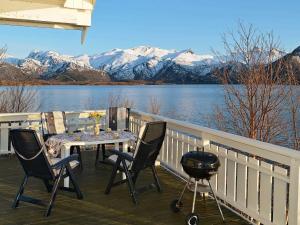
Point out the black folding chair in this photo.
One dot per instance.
(145, 155)
(35, 162)
(49, 121)
(117, 118)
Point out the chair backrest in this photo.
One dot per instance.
(31, 153)
(54, 122)
(117, 118)
(149, 145)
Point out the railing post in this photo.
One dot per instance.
(206, 148)
(205, 143)
(294, 194)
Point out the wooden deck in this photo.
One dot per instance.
(97, 208)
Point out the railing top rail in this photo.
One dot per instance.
(34, 116)
(37, 113)
(216, 134)
(18, 114)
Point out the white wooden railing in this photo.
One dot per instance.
(75, 120)
(257, 180)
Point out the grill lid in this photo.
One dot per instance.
(200, 160)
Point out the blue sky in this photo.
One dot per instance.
(170, 24)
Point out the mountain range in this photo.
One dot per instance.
(140, 63)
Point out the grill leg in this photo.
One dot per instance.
(216, 201)
(195, 195)
(182, 193)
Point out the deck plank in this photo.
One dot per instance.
(97, 208)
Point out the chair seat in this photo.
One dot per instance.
(113, 158)
(53, 161)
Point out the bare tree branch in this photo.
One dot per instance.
(154, 105)
(18, 99)
(119, 100)
(256, 108)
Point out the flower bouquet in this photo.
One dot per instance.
(97, 117)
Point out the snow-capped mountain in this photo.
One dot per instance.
(52, 65)
(140, 63)
(145, 63)
(293, 59)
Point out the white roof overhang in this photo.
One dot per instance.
(62, 14)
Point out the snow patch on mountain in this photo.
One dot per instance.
(10, 59)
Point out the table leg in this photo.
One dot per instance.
(125, 146)
(117, 146)
(65, 153)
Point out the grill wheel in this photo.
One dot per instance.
(192, 219)
(176, 206)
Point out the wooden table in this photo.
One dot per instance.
(66, 141)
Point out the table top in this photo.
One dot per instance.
(56, 142)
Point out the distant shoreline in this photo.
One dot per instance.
(49, 83)
(98, 83)
(90, 83)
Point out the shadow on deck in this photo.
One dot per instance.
(97, 208)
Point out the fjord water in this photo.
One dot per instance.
(183, 102)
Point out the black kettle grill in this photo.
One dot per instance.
(199, 165)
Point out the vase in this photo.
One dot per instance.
(97, 129)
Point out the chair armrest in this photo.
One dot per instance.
(122, 155)
(65, 161)
(47, 136)
(145, 143)
(77, 131)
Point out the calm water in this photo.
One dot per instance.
(184, 102)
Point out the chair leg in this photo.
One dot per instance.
(157, 184)
(79, 157)
(130, 183)
(54, 191)
(97, 155)
(72, 150)
(48, 186)
(112, 177)
(75, 185)
(103, 152)
(20, 192)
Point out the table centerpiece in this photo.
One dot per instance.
(96, 116)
